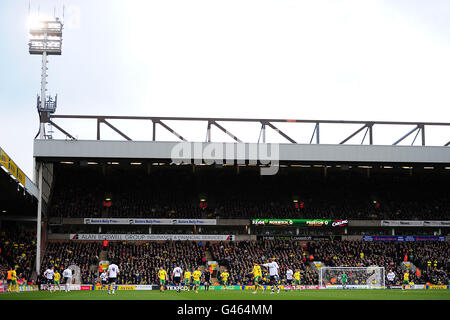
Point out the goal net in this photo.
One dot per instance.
(353, 277)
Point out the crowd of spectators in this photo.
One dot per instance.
(431, 258)
(17, 250)
(176, 193)
(238, 258)
(139, 263)
(61, 255)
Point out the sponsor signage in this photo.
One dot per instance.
(135, 221)
(361, 286)
(125, 288)
(412, 223)
(435, 287)
(144, 287)
(403, 238)
(9, 164)
(300, 238)
(74, 287)
(300, 222)
(151, 237)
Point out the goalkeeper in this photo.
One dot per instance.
(344, 279)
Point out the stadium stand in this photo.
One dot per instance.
(17, 249)
(139, 262)
(162, 193)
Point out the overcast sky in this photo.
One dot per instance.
(293, 59)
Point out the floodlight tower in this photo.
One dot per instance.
(45, 39)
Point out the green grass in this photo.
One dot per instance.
(235, 295)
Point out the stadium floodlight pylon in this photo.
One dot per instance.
(45, 38)
(372, 277)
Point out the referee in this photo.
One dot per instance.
(207, 277)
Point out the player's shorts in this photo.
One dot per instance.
(257, 279)
(405, 281)
(56, 282)
(297, 281)
(14, 282)
(177, 280)
(162, 281)
(112, 280)
(274, 280)
(289, 281)
(187, 281)
(9, 281)
(225, 282)
(104, 282)
(197, 282)
(49, 281)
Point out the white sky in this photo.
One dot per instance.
(340, 60)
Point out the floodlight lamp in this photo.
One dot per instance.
(45, 35)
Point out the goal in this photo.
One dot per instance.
(372, 277)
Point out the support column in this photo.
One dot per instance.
(263, 133)
(150, 230)
(39, 222)
(393, 231)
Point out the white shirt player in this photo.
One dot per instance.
(103, 276)
(391, 276)
(289, 274)
(113, 270)
(273, 268)
(49, 274)
(177, 272)
(67, 273)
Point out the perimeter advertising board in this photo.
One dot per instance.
(403, 238)
(300, 238)
(150, 237)
(135, 221)
(300, 222)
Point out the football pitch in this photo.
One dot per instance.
(353, 294)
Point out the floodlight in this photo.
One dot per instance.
(45, 36)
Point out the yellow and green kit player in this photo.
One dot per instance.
(187, 279)
(162, 274)
(405, 280)
(257, 276)
(297, 278)
(12, 280)
(56, 279)
(224, 275)
(196, 276)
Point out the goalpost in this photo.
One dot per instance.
(372, 277)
